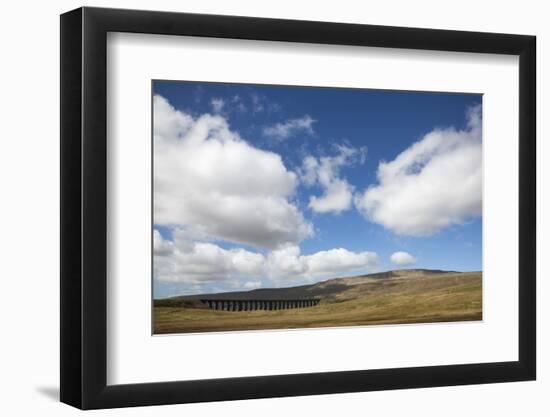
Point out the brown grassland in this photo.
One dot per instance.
(409, 296)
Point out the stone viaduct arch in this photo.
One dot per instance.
(253, 305)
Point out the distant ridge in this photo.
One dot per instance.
(328, 288)
(399, 272)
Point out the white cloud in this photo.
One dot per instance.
(217, 105)
(212, 185)
(169, 125)
(286, 264)
(433, 184)
(184, 261)
(233, 104)
(218, 186)
(337, 192)
(402, 258)
(257, 103)
(260, 103)
(238, 104)
(291, 127)
(252, 285)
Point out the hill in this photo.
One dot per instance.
(323, 289)
(401, 296)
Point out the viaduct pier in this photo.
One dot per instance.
(253, 305)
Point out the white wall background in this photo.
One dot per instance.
(29, 177)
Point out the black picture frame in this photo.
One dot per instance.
(84, 207)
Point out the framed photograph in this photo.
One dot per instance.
(257, 208)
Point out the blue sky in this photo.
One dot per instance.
(320, 150)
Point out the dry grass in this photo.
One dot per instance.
(407, 299)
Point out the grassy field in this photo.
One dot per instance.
(406, 298)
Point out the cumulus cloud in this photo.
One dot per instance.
(325, 171)
(169, 125)
(402, 258)
(212, 186)
(287, 263)
(435, 183)
(218, 186)
(185, 261)
(291, 127)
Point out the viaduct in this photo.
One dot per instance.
(252, 305)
